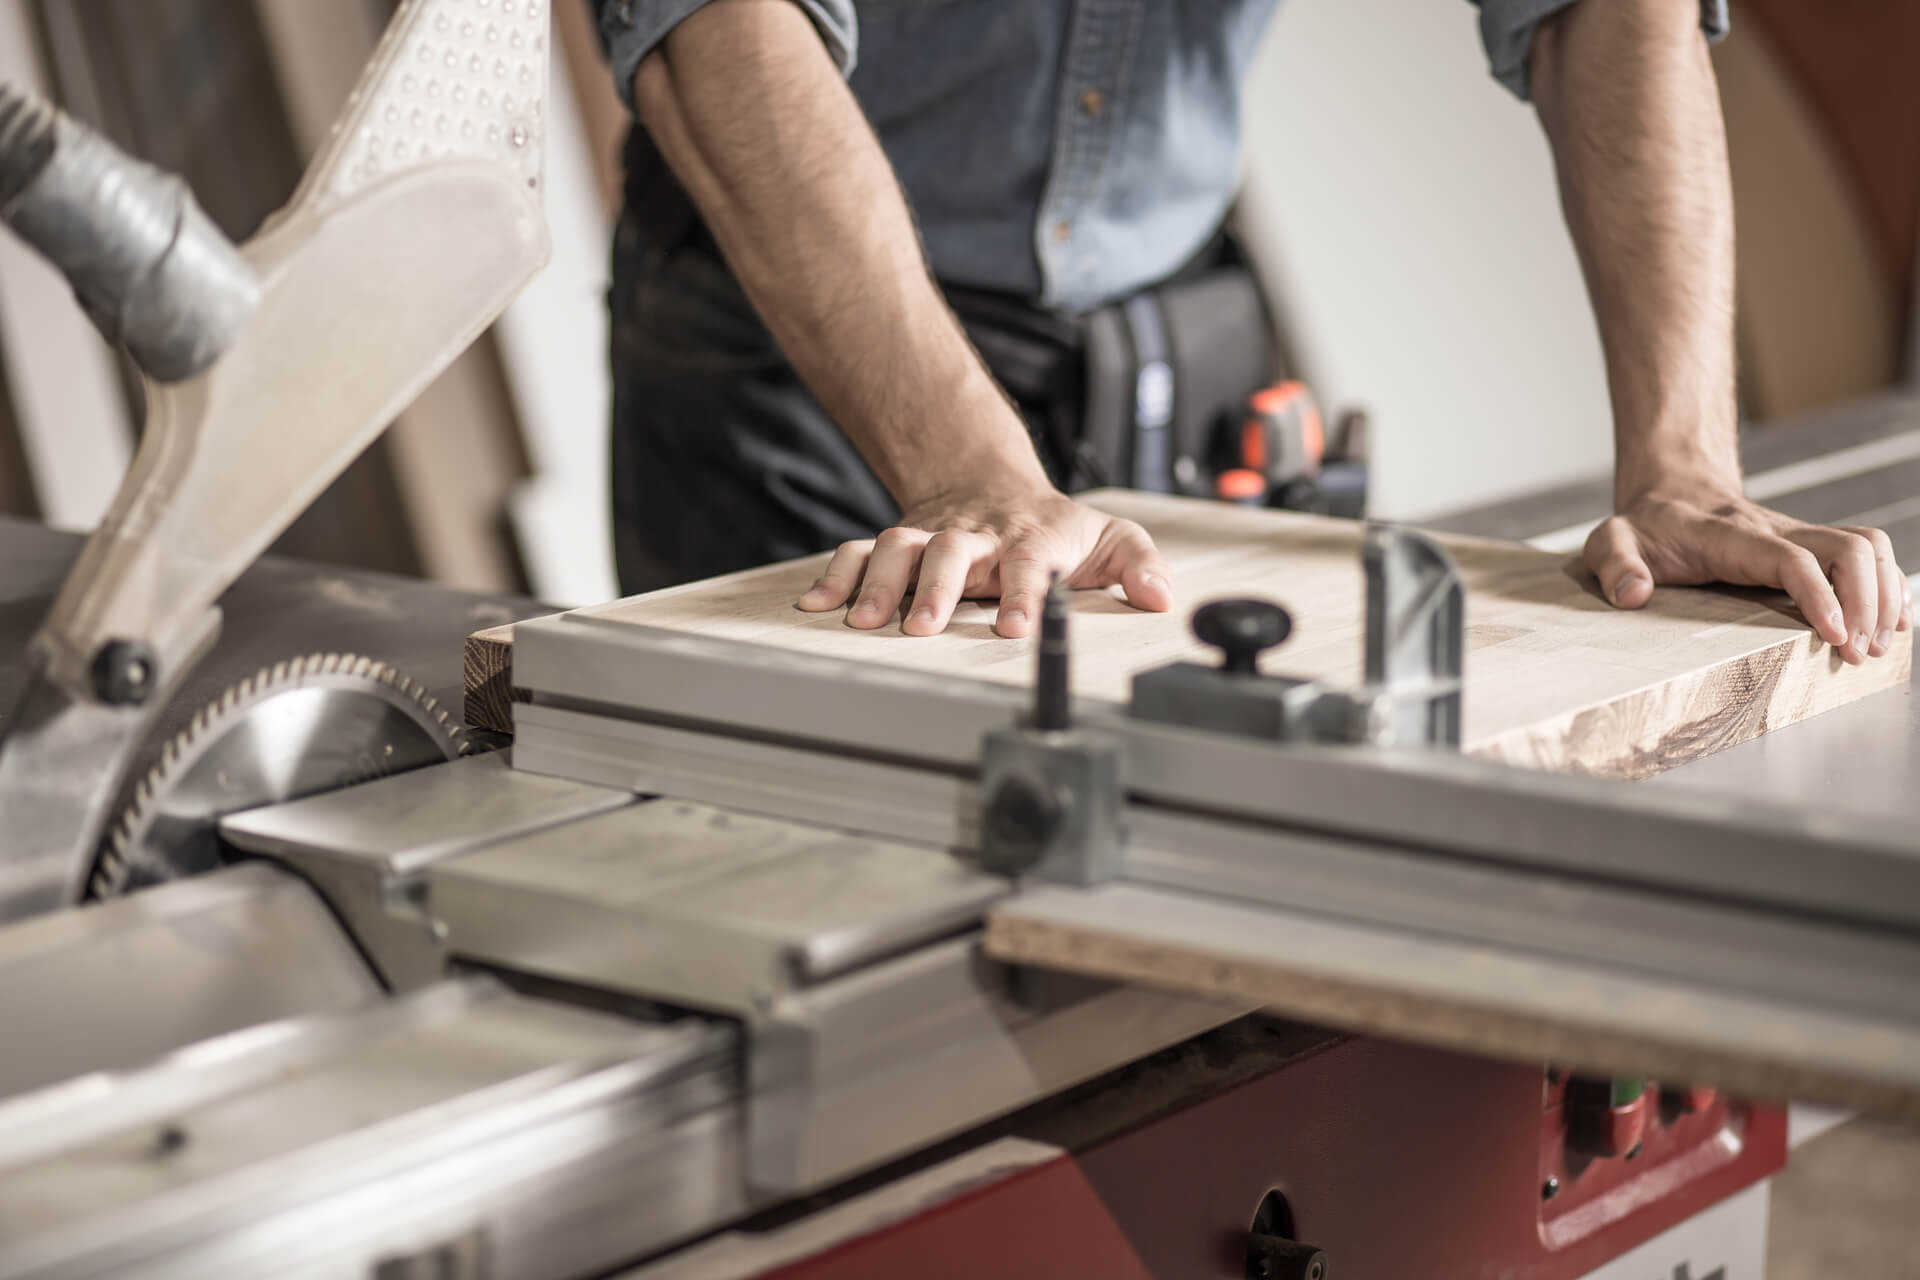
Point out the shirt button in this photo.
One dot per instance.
(1062, 230)
(1092, 102)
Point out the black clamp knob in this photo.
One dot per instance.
(1024, 814)
(1242, 630)
(124, 672)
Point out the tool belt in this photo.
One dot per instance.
(1145, 393)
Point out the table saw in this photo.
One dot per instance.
(736, 962)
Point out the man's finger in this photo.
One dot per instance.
(1848, 560)
(1025, 576)
(1797, 571)
(944, 567)
(1893, 589)
(1613, 553)
(844, 570)
(1135, 563)
(1148, 584)
(895, 559)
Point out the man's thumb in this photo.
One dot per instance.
(1613, 553)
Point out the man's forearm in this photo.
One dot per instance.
(747, 107)
(1626, 92)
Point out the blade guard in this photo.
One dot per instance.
(418, 222)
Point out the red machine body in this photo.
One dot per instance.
(1398, 1162)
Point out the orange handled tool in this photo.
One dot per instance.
(1283, 437)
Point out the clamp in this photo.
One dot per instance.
(1410, 695)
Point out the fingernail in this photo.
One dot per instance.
(1632, 582)
(923, 614)
(1155, 580)
(1837, 619)
(1881, 640)
(1013, 615)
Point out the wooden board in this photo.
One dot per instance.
(1556, 678)
(1498, 1000)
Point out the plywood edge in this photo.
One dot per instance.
(1227, 951)
(1663, 726)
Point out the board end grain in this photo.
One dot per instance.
(487, 674)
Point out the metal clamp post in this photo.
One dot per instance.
(1053, 796)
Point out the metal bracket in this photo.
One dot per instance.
(1054, 805)
(369, 849)
(1053, 799)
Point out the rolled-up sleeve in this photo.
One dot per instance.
(631, 28)
(1507, 27)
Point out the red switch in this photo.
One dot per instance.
(1687, 1099)
(1606, 1116)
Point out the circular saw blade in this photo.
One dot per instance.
(299, 727)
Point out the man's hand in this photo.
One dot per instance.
(1007, 544)
(1626, 92)
(1845, 580)
(768, 140)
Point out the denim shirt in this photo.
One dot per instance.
(1069, 151)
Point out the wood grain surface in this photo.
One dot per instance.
(1556, 678)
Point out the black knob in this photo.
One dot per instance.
(1242, 630)
(1023, 816)
(123, 672)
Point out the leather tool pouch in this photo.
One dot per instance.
(1145, 392)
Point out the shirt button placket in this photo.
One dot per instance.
(1100, 41)
(1076, 263)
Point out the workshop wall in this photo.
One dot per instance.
(1823, 130)
(1406, 206)
(16, 480)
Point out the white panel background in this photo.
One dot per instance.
(1408, 204)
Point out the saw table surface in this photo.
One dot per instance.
(1556, 678)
